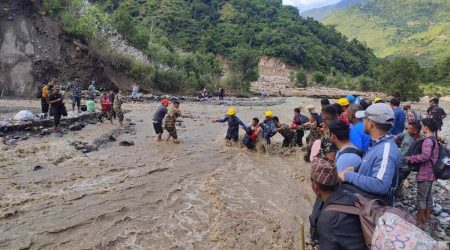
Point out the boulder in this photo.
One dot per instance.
(126, 143)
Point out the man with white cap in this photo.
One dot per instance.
(377, 175)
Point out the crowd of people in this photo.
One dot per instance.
(357, 147)
(53, 101)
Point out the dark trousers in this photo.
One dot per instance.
(299, 139)
(44, 105)
(56, 118)
(232, 134)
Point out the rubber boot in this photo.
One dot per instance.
(420, 218)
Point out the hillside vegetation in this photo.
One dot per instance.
(182, 37)
(418, 28)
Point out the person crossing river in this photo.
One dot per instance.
(233, 125)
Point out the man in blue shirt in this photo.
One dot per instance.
(357, 135)
(348, 156)
(399, 117)
(377, 176)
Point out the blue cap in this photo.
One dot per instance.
(350, 98)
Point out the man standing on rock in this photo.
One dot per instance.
(76, 86)
(158, 117)
(56, 100)
(436, 113)
(118, 101)
(171, 118)
(92, 91)
(44, 98)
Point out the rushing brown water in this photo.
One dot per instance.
(198, 194)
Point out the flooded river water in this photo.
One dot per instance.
(199, 194)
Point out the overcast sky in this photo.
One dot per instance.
(303, 5)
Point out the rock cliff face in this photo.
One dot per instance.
(34, 48)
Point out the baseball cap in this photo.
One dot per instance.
(378, 112)
(324, 171)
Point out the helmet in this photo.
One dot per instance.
(231, 111)
(343, 102)
(377, 99)
(165, 102)
(351, 98)
(268, 114)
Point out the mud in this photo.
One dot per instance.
(199, 194)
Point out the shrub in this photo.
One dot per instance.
(299, 78)
(319, 77)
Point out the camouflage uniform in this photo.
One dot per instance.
(314, 135)
(118, 101)
(169, 123)
(289, 135)
(326, 146)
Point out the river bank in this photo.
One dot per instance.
(198, 194)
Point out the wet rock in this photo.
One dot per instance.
(126, 143)
(437, 209)
(11, 142)
(45, 132)
(132, 124)
(58, 134)
(112, 137)
(443, 215)
(76, 127)
(36, 168)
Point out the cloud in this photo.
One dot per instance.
(309, 4)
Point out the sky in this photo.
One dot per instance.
(303, 5)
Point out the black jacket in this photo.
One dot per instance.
(336, 230)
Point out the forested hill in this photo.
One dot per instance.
(419, 28)
(219, 27)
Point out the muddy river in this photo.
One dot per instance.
(199, 194)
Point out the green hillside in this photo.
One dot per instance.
(398, 27)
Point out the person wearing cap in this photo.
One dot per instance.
(233, 125)
(171, 118)
(377, 175)
(119, 99)
(158, 117)
(378, 100)
(351, 99)
(332, 229)
(357, 135)
(268, 126)
(92, 91)
(344, 103)
(56, 100)
(399, 117)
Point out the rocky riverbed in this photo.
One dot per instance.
(106, 188)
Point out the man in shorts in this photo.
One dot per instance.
(159, 115)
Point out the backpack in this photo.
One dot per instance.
(441, 168)
(352, 150)
(415, 149)
(369, 213)
(391, 228)
(39, 92)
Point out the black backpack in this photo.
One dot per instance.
(415, 149)
(39, 92)
(352, 150)
(441, 168)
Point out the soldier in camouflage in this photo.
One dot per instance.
(171, 118)
(118, 101)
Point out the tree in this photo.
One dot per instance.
(319, 77)
(244, 64)
(400, 78)
(299, 78)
